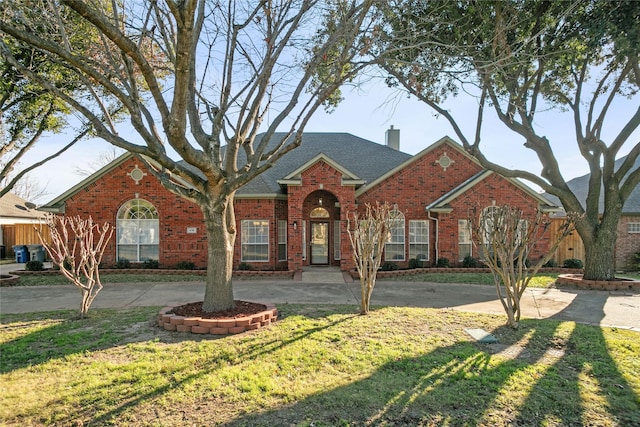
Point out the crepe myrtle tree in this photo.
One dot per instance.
(368, 235)
(200, 80)
(76, 245)
(505, 237)
(520, 59)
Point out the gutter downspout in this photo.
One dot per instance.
(437, 233)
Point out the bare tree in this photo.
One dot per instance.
(216, 74)
(505, 237)
(369, 234)
(102, 159)
(519, 59)
(76, 247)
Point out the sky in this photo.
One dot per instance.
(368, 111)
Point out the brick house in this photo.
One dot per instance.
(628, 240)
(295, 214)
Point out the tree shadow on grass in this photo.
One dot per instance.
(533, 377)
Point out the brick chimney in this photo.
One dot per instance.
(392, 138)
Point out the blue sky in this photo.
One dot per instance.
(368, 111)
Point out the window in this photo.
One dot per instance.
(633, 227)
(255, 240)
(394, 248)
(419, 239)
(137, 231)
(336, 240)
(464, 239)
(304, 240)
(282, 240)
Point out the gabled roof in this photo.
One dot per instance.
(295, 178)
(580, 187)
(442, 203)
(15, 207)
(442, 141)
(358, 158)
(57, 205)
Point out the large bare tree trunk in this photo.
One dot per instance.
(599, 257)
(221, 235)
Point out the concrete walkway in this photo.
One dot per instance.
(619, 309)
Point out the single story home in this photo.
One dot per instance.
(628, 240)
(295, 214)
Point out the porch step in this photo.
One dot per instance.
(322, 275)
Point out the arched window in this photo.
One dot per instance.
(138, 233)
(394, 248)
(319, 213)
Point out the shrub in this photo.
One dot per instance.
(470, 262)
(123, 263)
(551, 263)
(572, 263)
(151, 264)
(34, 265)
(244, 266)
(388, 266)
(186, 265)
(415, 263)
(442, 262)
(635, 261)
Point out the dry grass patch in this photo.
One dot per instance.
(320, 366)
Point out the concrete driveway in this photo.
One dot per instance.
(619, 309)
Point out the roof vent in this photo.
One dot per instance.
(392, 138)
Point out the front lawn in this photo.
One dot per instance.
(317, 366)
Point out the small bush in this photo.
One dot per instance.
(415, 263)
(551, 263)
(186, 265)
(572, 263)
(442, 262)
(34, 265)
(244, 266)
(123, 263)
(388, 266)
(151, 264)
(470, 262)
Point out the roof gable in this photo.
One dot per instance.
(444, 141)
(442, 204)
(295, 177)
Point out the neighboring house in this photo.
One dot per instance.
(17, 219)
(628, 242)
(295, 214)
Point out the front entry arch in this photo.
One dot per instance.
(321, 214)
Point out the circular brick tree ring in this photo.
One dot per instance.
(170, 321)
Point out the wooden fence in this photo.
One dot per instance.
(19, 234)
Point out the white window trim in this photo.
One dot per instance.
(282, 238)
(398, 218)
(633, 227)
(244, 231)
(426, 242)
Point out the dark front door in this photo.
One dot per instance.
(319, 243)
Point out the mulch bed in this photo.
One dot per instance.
(242, 309)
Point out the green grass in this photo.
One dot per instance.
(317, 366)
(544, 280)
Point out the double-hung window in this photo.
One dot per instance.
(255, 240)
(394, 248)
(419, 239)
(138, 231)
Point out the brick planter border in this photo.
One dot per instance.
(605, 285)
(9, 279)
(201, 325)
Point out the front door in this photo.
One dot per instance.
(319, 243)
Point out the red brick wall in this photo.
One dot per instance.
(424, 181)
(627, 243)
(103, 198)
(320, 180)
